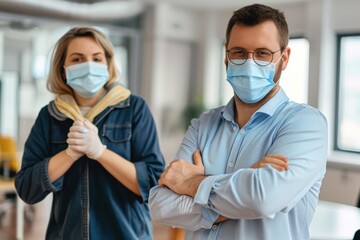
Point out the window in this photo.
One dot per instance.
(347, 124)
(294, 79)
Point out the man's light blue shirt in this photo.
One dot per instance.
(262, 203)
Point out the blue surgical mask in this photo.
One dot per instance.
(87, 78)
(250, 81)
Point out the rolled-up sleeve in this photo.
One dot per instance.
(32, 182)
(145, 153)
(179, 210)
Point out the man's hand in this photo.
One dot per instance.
(277, 161)
(183, 177)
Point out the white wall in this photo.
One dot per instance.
(170, 34)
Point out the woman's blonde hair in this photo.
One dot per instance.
(56, 82)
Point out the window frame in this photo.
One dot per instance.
(336, 144)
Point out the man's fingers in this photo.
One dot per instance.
(278, 156)
(160, 182)
(277, 159)
(197, 158)
(276, 164)
(277, 167)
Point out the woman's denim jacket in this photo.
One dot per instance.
(88, 202)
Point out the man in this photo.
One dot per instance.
(226, 192)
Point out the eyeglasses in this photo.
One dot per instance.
(261, 56)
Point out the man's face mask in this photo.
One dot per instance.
(251, 79)
(87, 78)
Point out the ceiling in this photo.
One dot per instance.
(216, 4)
(116, 10)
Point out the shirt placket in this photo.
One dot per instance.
(214, 231)
(230, 166)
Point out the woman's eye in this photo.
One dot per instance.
(76, 60)
(99, 59)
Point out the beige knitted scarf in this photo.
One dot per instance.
(66, 103)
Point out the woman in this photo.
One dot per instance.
(94, 147)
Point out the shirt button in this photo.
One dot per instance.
(214, 227)
(230, 165)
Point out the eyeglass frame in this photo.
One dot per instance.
(253, 56)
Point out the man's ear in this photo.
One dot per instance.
(285, 57)
(225, 57)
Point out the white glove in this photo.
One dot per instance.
(84, 138)
(71, 150)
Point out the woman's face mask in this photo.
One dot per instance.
(250, 81)
(87, 78)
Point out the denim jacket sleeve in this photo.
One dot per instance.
(32, 182)
(145, 152)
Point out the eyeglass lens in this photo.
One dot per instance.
(261, 56)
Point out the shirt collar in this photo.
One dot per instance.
(268, 108)
(228, 113)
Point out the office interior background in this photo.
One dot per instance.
(171, 52)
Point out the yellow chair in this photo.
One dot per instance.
(9, 161)
(9, 165)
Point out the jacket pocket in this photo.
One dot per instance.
(117, 138)
(116, 133)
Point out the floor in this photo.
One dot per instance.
(36, 230)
